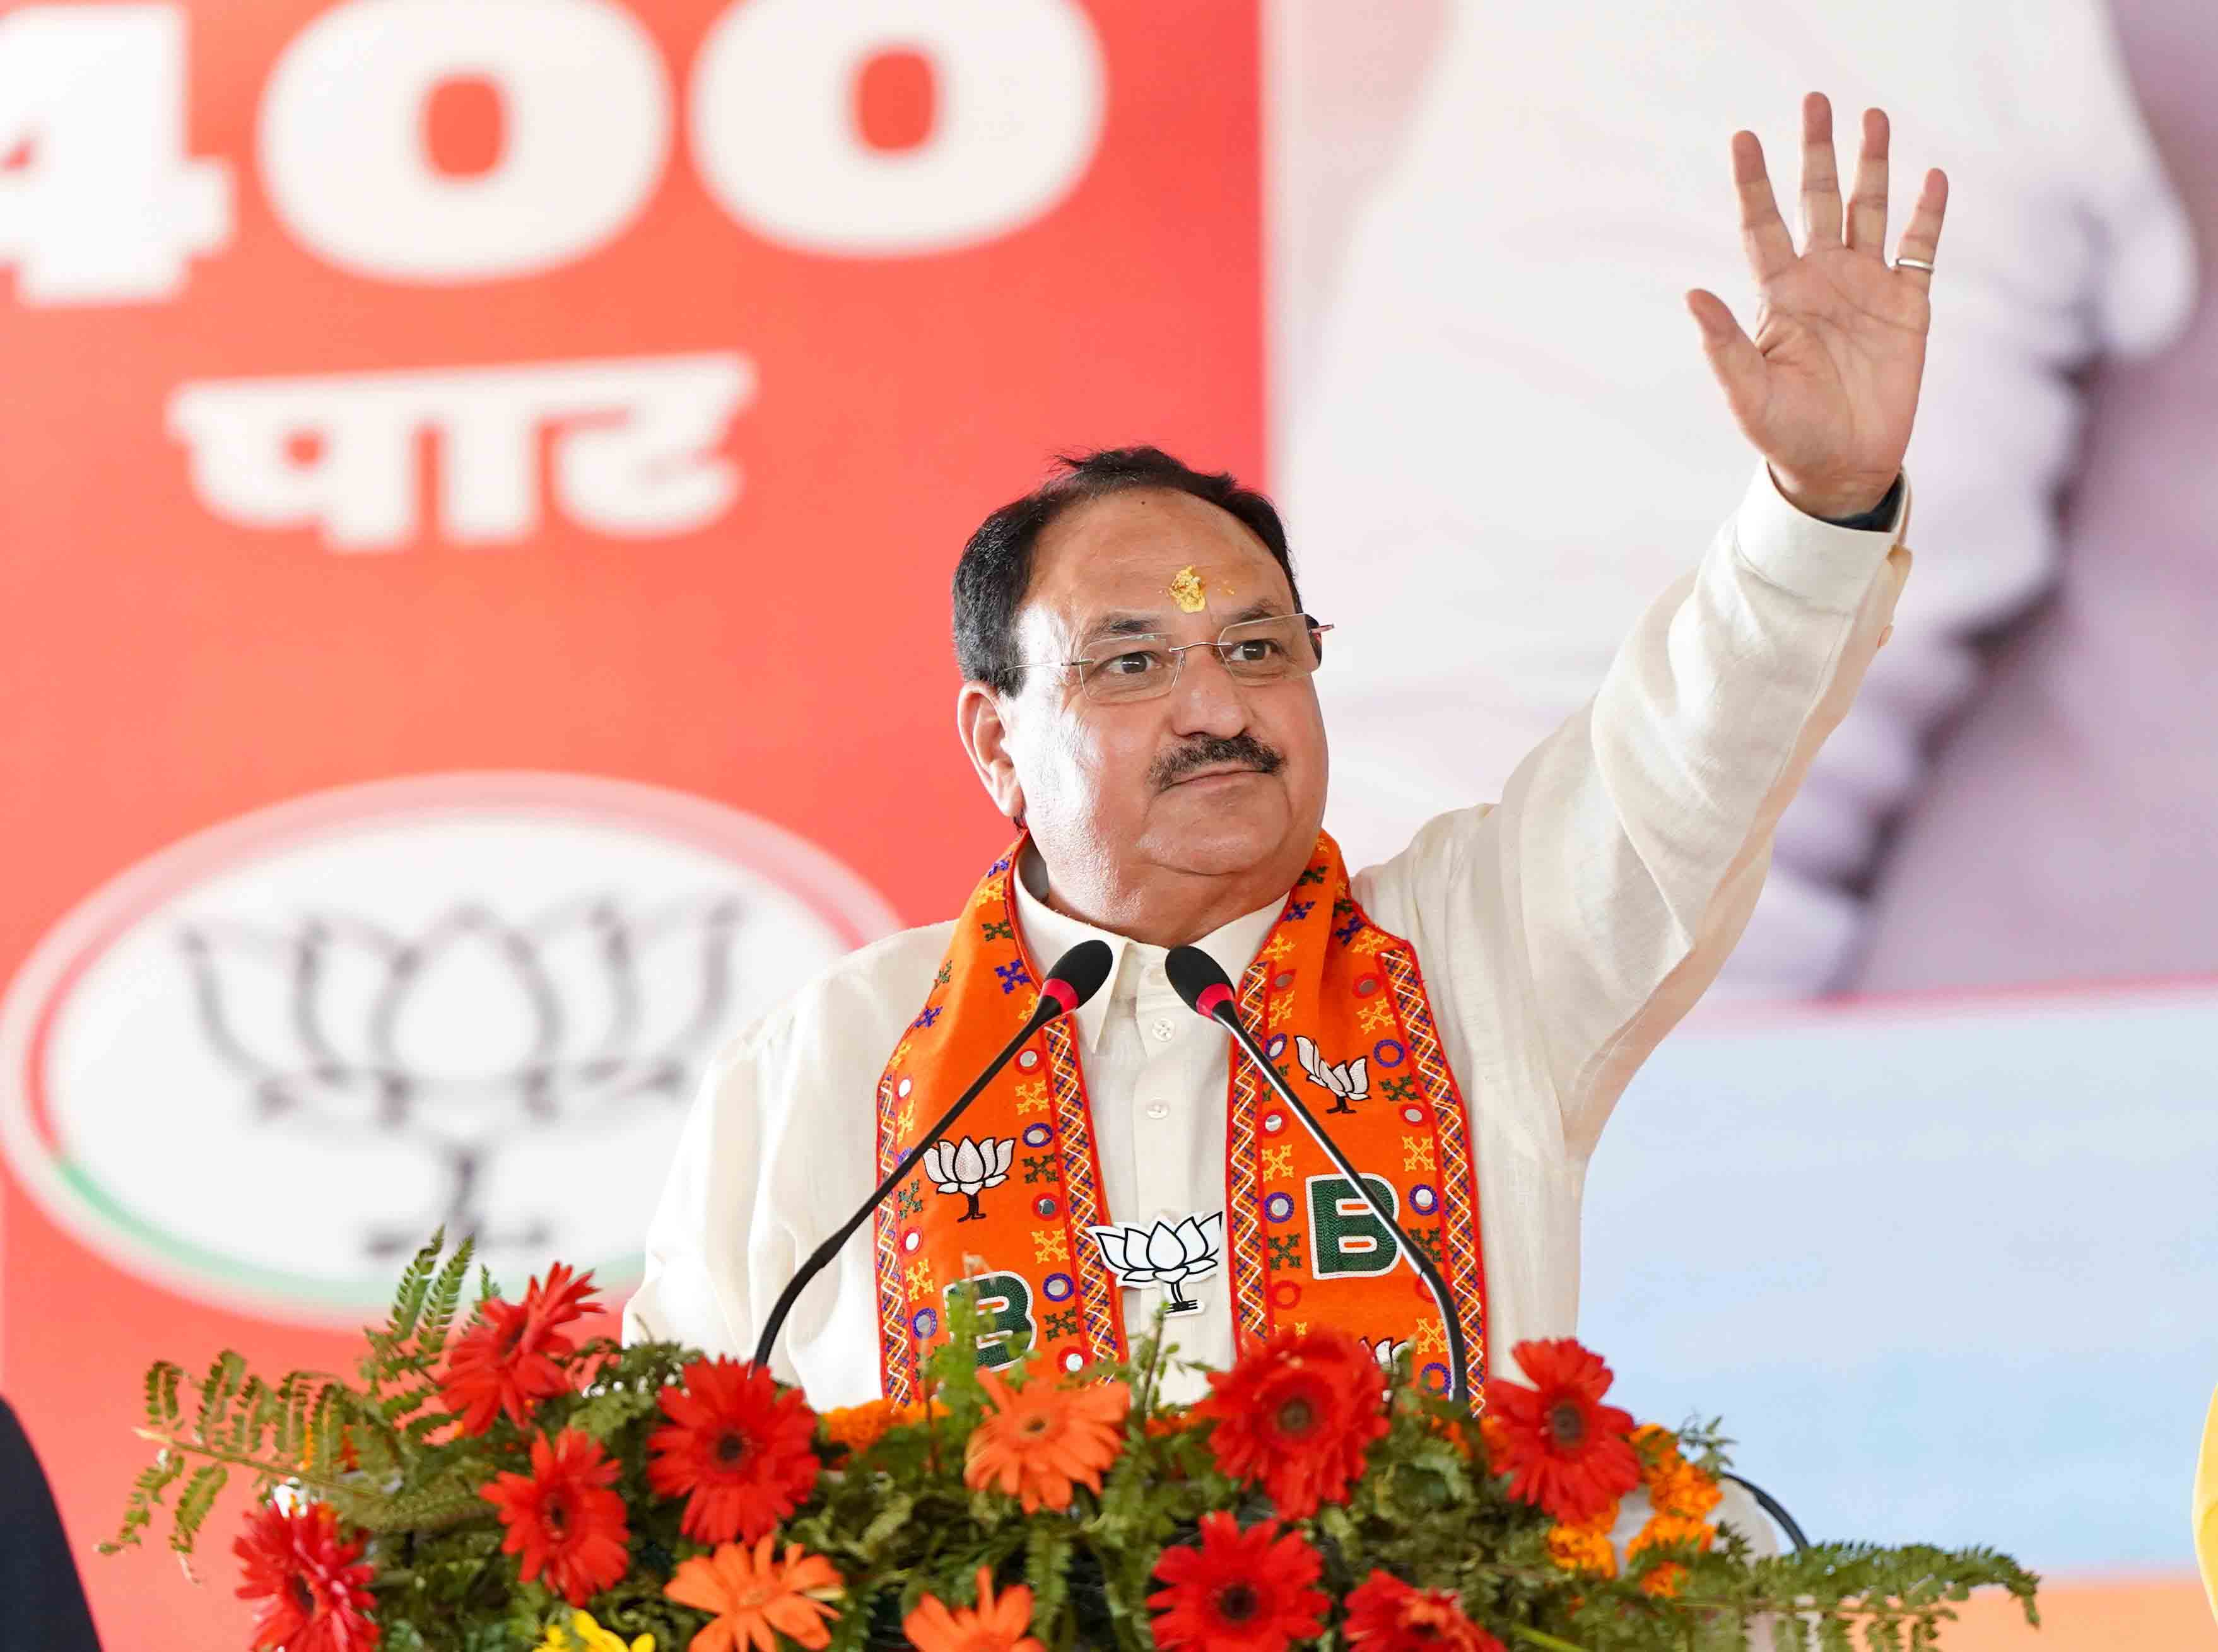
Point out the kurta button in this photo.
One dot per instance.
(1158, 1109)
(1163, 1030)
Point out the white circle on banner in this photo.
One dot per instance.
(587, 122)
(1022, 91)
(261, 1066)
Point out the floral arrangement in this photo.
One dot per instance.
(502, 1487)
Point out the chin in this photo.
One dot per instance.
(1217, 842)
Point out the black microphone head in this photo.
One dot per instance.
(1078, 974)
(1196, 978)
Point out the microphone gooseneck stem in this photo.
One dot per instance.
(1458, 1355)
(820, 1257)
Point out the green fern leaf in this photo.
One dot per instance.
(162, 1379)
(1047, 1568)
(246, 1416)
(216, 1391)
(199, 1494)
(146, 1493)
(446, 1299)
(415, 1284)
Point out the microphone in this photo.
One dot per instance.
(1196, 978)
(1077, 975)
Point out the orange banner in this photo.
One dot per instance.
(480, 486)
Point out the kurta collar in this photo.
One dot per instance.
(1048, 934)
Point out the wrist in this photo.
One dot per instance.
(1838, 502)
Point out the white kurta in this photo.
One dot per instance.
(1561, 933)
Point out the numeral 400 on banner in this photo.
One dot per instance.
(103, 203)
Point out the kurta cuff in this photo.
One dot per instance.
(1829, 567)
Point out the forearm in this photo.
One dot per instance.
(1641, 830)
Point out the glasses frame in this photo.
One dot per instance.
(1178, 652)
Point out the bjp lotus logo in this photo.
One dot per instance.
(969, 1168)
(1164, 1254)
(472, 1031)
(483, 1000)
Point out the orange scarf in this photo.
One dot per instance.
(1009, 1203)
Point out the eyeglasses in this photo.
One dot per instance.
(1147, 665)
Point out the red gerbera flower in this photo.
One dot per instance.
(316, 1597)
(1298, 1414)
(1385, 1614)
(562, 1518)
(1561, 1446)
(512, 1358)
(1239, 1591)
(736, 1448)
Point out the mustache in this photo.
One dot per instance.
(1209, 751)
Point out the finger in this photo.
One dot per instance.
(1733, 356)
(1923, 235)
(1867, 206)
(1762, 232)
(1821, 184)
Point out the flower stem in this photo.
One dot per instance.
(275, 1470)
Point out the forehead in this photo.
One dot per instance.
(1119, 554)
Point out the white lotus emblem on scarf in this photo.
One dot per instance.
(969, 1168)
(1384, 1350)
(1349, 1081)
(1165, 1255)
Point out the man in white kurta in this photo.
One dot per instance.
(1561, 931)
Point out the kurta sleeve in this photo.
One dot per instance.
(1634, 840)
(709, 1234)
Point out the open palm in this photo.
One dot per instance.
(1827, 390)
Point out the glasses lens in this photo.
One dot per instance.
(1263, 651)
(1130, 668)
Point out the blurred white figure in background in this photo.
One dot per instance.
(1480, 239)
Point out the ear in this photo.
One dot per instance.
(985, 736)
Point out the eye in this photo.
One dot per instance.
(1256, 650)
(1136, 662)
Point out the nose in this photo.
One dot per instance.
(1206, 701)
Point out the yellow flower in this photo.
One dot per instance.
(584, 1635)
(1683, 1491)
(858, 1428)
(1659, 1447)
(1586, 1547)
(1671, 1528)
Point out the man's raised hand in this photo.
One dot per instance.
(1827, 390)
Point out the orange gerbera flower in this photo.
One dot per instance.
(562, 1518)
(1037, 1441)
(996, 1623)
(1298, 1414)
(736, 1448)
(756, 1597)
(1562, 1447)
(1235, 1591)
(512, 1358)
(315, 1595)
(1385, 1614)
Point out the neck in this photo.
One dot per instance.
(1165, 907)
